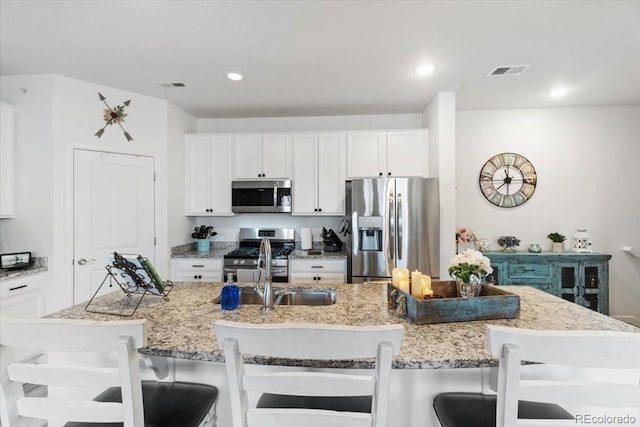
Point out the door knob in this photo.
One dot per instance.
(83, 261)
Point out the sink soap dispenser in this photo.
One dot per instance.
(230, 298)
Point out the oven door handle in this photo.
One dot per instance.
(278, 270)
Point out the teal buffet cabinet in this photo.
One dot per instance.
(582, 278)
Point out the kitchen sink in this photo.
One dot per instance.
(291, 296)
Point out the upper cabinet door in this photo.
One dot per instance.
(221, 174)
(198, 179)
(276, 156)
(208, 175)
(305, 175)
(262, 157)
(248, 156)
(387, 153)
(7, 144)
(366, 154)
(331, 173)
(407, 153)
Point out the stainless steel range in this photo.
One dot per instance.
(242, 261)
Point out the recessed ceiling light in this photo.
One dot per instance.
(234, 76)
(558, 92)
(424, 69)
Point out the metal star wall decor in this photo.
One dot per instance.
(114, 116)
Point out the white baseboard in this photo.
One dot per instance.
(632, 320)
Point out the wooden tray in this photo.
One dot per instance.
(493, 303)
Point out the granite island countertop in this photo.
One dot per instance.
(182, 327)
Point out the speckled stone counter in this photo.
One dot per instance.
(39, 265)
(219, 249)
(190, 250)
(183, 326)
(300, 254)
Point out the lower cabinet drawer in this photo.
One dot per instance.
(196, 270)
(529, 270)
(317, 278)
(197, 276)
(196, 264)
(318, 265)
(20, 285)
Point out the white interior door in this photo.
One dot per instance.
(113, 197)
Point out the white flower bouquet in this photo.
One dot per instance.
(469, 263)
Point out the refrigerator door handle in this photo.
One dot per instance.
(391, 216)
(399, 226)
(356, 235)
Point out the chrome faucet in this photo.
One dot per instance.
(264, 259)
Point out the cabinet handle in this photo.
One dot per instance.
(389, 173)
(317, 266)
(18, 287)
(198, 265)
(528, 269)
(320, 210)
(380, 174)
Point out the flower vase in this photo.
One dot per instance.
(469, 289)
(509, 249)
(203, 245)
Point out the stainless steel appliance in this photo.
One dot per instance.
(261, 196)
(243, 261)
(395, 222)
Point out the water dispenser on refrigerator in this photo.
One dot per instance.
(370, 233)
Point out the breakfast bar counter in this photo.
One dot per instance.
(182, 327)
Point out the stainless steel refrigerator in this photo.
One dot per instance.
(395, 222)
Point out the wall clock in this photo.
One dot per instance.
(508, 180)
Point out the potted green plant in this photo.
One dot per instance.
(557, 242)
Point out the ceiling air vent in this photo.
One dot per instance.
(171, 84)
(508, 70)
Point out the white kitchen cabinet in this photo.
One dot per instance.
(261, 156)
(387, 153)
(319, 163)
(317, 271)
(196, 270)
(208, 175)
(7, 147)
(23, 296)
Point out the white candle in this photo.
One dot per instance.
(427, 292)
(416, 284)
(397, 275)
(403, 285)
(426, 281)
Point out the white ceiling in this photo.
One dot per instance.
(305, 58)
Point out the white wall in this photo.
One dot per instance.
(31, 229)
(440, 118)
(179, 226)
(54, 116)
(310, 124)
(586, 160)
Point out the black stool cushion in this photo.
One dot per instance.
(338, 403)
(479, 410)
(174, 404)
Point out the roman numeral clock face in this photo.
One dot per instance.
(508, 180)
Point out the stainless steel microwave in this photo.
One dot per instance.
(261, 196)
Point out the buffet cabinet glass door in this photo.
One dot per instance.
(581, 283)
